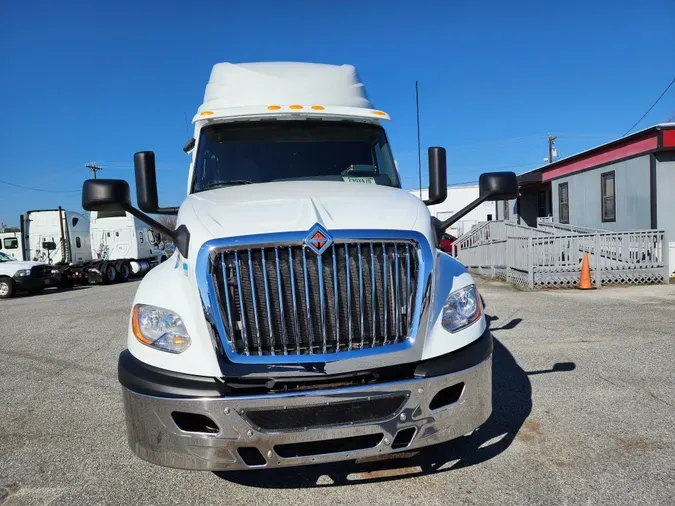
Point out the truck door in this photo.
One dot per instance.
(121, 244)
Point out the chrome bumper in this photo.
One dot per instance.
(155, 437)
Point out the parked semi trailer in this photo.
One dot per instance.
(81, 251)
(308, 314)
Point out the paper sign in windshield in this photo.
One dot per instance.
(362, 180)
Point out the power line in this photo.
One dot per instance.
(38, 189)
(648, 110)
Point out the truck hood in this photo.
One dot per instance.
(16, 265)
(298, 205)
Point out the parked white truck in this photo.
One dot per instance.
(307, 314)
(18, 275)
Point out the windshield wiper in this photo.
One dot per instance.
(360, 169)
(220, 184)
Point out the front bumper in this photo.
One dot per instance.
(30, 283)
(239, 442)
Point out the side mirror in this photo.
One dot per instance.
(106, 195)
(114, 195)
(146, 184)
(498, 186)
(438, 182)
(49, 245)
(491, 186)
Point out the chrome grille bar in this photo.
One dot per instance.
(256, 322)
(242, 310)
(322, 303)
(226, 294)
(397, 298)
(386, 293)
(267, 302)
(348, 275)
(407, 288)
(282, 318)
(373, 314)
(309, 312)
(336, 301)
(296, 327)
(361, 327)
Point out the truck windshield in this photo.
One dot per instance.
(235, 153)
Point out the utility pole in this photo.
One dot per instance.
(551, 142)
(94, 168)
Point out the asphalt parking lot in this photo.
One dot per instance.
(584, 412)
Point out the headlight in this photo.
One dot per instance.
(22, 273)
(461, 309)
(159, 328)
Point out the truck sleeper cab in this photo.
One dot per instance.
(307, 314)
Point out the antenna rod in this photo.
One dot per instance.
(419, 147)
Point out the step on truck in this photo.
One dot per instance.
(307, 314)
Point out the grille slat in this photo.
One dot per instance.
(397, 298)
(256, 322)
(241, 308)
(348, 275)
(284, 335)
(288, 300)
(267, 302)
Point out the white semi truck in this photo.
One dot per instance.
(103, 247)
(307, 314)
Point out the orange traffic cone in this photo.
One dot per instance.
(585, 278)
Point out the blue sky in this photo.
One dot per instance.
(98, 81)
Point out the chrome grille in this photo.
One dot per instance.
(286, 300)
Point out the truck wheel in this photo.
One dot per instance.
(6, 287)
(124, 270)
(109, 272)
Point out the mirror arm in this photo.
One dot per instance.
(442, 225)
(167, 210)
(180, 236)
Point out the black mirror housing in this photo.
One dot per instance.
(146, 181)
(106, 195)
(438, 179)
(146, 184)
(498, 186)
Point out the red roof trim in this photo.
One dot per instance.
(607, 155)
(669, 138)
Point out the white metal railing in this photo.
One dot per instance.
(555, 227)
(534, 258)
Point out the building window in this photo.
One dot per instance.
(608, 196)
(563, 203)
(542, 210)
(506, 210)
(11, 243)
(78, 243)
(140, 236)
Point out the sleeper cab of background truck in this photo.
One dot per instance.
(407, 370)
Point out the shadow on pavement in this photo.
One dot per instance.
(512, 404)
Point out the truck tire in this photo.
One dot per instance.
(6, 287)
(109, 273)
(124, 270)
